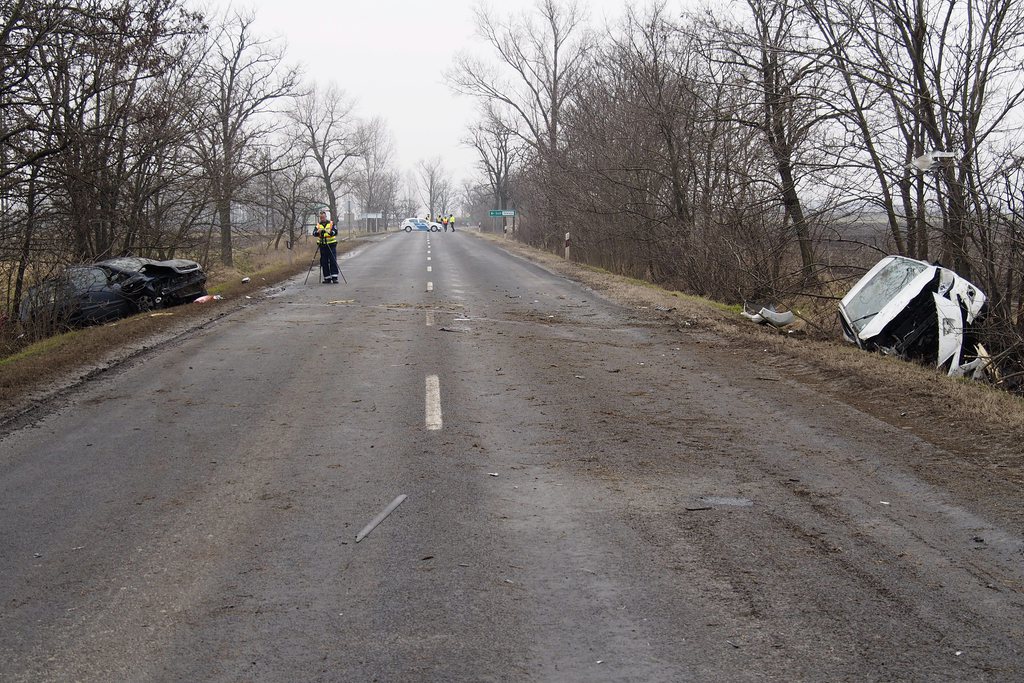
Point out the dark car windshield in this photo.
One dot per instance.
(87, 279)
(881, 289)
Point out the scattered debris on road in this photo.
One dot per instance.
(728, 501)
(380, 518)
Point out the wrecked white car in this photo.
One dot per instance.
(917, 310)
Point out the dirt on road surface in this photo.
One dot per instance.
(625, 485)
(980, 427)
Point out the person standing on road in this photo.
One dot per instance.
(444, 222)
(327, 240)
(451, 221)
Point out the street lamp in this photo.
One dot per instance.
(923, 164)
(927, 160)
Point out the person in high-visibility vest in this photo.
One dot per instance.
(451, 221)
(327, 240)
(444, 222)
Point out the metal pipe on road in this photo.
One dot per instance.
(380, 518)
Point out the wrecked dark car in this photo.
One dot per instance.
(108, 290)
(916, 310)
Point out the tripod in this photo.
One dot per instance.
(334, 262)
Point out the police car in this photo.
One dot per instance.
(410, 224)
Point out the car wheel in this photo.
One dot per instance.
(408, 229)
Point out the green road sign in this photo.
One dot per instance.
(498, 213)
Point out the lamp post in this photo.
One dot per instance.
(923, 164)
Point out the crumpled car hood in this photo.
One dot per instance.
(178, 265)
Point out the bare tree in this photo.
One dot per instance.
(26, 27)
(435, 185)
(493, 138)
(477, 200)
(93, 139)
(942, 76)
(294, 193)
(331, 135)
(28, 133)
(245, 77)
(376, 182)
(770, 55)
(543, 57)
(407, 203)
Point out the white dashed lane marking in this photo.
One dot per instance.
(430, 318)
(429, 268)
(433, 404)
(430, 286)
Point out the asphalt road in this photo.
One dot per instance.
(591, 496)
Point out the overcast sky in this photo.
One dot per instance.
(391, 56)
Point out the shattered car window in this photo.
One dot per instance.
(882, 288)
(87, 279)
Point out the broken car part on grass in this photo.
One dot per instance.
(768, 314)
(917, 310)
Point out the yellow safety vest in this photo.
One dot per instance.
(328, 235)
